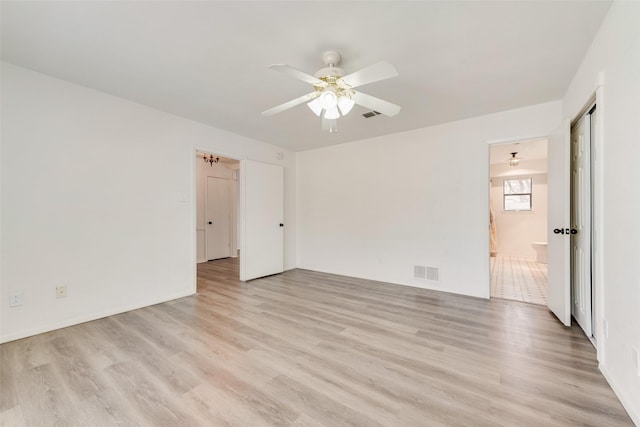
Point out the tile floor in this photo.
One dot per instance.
(518, 278)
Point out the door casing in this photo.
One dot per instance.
(597, 152)
(582, 284)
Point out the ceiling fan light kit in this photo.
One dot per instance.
(329, 98)
(315, 106)
(333, 94)
(345, 105)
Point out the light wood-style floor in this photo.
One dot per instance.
(309, 349)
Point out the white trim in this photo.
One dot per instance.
(88, 318)
(598, 224)
(627, 404)
(209, 150)
(195, 149)
(487, 237)
(596, 98)
(242, 226)
(194, 217)
(516, 139)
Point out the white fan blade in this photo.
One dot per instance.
(294, 72)
(374, 73)
(300, 100)
(376, 104)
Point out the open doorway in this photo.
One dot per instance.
(518, 228)
(251, 224)
(217, 208)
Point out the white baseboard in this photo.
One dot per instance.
(626, 402)
(82, 319)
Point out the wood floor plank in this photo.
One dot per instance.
(42, 394)
(305, 348)
(82, 381)
(213, 406)
(12, 417)
(147, 395)
(336, 386)
(247, 393)
(320, 407)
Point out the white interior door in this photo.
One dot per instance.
(262, 213)
(218, 218)
(559, 205)
(581, 223)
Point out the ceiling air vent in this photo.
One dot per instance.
(369, 114)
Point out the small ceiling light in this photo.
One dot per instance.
(316, 106)
(210, 159)
(513, 160)
(328, 98)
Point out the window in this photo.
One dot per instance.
(517, 194)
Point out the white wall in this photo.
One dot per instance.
(516, 230)
(98, 195)
(377, 207)
(217, 170)
(616, 52)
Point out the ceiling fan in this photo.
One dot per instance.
(333, 93)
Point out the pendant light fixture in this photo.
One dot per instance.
(513, 160)
(210, 159)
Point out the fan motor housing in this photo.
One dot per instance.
(329, 72)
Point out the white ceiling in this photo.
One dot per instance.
(527, 150)
(207, 61)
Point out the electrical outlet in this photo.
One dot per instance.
(605, 328)
(16, 300)
(636, 359)
(61, 291)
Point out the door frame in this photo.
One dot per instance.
(591, 106)
(573, 112)
(597, 192)
(195, 149)
(490, 143)
(597, 219)
(597, 210)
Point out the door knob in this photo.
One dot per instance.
(565, 231)
(210, 222)
(281, 225)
